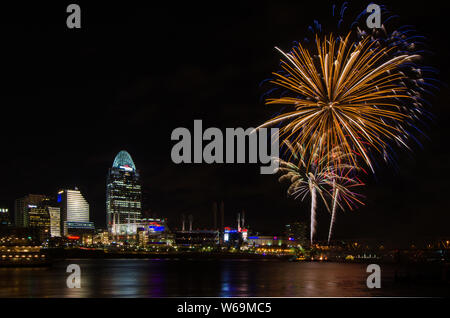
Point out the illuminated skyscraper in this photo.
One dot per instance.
(39, 217)
(123, 196)
(55, 221)
(74, 213)
(23, 206)
(38, 211)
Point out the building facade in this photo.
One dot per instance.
(74, 213)
(39, 219)
(4, 217)
(22, 207)
(257, 241)
(153, 231)
(40, 216)
(123, 196)
(55, 221)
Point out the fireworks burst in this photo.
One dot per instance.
(348, 100)
(346, 96)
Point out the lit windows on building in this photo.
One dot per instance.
(75, 206)
(44, 217)
(123, 196)
(4, 217)
(74, 212)
(270, 241)
(39, 217)
(78, 228)
(22, 207)
(55, 221)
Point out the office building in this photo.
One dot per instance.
(22, 207)
(74, 213)
(39, 220)
(123, 196)
(4, 217)
(45, 219)
(55, 221)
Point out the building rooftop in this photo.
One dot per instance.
(123, 160)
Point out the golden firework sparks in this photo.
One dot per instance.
(347, 97)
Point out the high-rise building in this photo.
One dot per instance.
(39, 217)
(46, 217)
(38, 213)
(4, 217)
(123, 196)
(55, 221)
(22, 207)
(39, 220)
(74, 213)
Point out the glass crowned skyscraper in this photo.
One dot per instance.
(123, 196)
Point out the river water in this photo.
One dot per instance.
(219, 278)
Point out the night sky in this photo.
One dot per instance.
(72, 99)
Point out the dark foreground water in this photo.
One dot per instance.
(223, 278)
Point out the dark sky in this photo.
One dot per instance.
(71, 99)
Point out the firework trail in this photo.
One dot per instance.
(304, 183)
(318, 180)
(333, 212)
(343, 184)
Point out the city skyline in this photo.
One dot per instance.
(201, 223)
(224, 157)
(399, 204)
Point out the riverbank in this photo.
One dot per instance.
(103, 254)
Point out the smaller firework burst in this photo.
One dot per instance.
(333, 183)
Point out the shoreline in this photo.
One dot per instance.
(59, 254)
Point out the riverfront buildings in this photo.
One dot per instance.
(123, 196)
(48, 218)
(38, 212)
